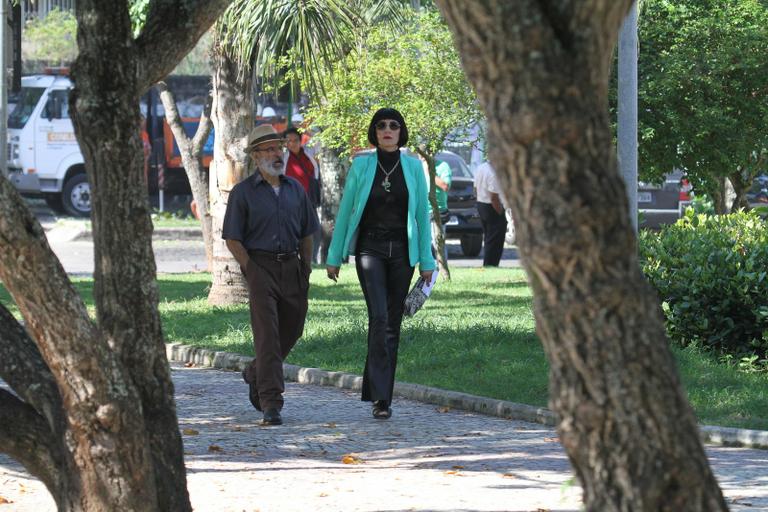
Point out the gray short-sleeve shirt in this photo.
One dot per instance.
(263, 220)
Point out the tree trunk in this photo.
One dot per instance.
(333, 171)
(191, 151)
(232, 117)
(93, 414)
(442, 260)
(541, 73)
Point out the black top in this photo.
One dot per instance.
(260, 219)
(385, 212)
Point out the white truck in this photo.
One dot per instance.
(43, 154)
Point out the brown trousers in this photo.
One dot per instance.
(278, 302)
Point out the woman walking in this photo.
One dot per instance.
(383, 220)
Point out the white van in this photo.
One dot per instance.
(43, 154)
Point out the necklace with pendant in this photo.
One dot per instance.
(386, 184)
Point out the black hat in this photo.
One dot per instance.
(388, 113)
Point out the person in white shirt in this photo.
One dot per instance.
(491, 211)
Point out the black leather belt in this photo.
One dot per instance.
(275, 256)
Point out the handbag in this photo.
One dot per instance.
(418, 295)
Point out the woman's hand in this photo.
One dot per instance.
(426, 275)
(333, 272)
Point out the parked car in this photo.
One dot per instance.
(663, 204)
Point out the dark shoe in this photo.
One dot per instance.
(381, 410)
(253, 393)
(272, 417)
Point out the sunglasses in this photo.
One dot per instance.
(393, 125)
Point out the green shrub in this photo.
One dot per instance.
(711, 273)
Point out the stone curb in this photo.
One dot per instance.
(227, 361)
(158, 234)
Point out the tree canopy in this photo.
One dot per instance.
(703, 100)
(416, 70)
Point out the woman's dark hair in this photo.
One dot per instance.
(292, 130)
(388, 113)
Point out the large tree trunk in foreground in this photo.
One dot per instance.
(191, 151)
(541, 73)
(94, 416)
(232, 117)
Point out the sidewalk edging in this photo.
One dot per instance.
(178, 352)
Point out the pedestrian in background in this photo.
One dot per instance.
(303, 167)
(443, 178)
(268, 228)
(491, 210)
(383, 220)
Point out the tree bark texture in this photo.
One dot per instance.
(540, 69)
(191, 151)
(94, 415)
(232, 116)
(333, 171)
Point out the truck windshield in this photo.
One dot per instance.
(28, 98)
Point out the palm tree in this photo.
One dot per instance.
(249, 37)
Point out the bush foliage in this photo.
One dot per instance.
(711, 273)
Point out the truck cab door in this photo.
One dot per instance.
(54, 139)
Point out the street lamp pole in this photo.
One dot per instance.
(627, 108)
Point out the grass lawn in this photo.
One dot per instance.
(476, 334)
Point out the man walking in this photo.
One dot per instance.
(491, 211)
(268, 228)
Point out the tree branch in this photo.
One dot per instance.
(204, 128)
(23, 368)
(172, 116)
(25, 436)
(161, 45)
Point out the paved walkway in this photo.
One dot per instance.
(424, 458)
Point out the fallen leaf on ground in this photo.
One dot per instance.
(457, 467)
(330, 425)
(508, 475)
(322, 495)
(4, 501)
(551, 439)
(351, 459)
(443, 409)
(456, 473)
(190, 432)
(214, 448)
(189, 365)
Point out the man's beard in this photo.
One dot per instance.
(272, 166)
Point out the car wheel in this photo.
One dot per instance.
(471, 245)
(76, 196)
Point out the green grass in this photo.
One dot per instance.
(475, 335)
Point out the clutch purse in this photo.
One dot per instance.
(418, 295)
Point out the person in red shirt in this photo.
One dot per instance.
(304, 168)
(300, 165)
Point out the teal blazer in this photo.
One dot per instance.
(353, 201)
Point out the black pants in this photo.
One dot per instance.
(385, 275)
(494, 231)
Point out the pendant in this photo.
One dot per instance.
(386, 184)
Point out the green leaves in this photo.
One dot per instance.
(415, 70)
(710, 273)
(703, 103)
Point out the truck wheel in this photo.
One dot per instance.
(76, 196)
(471, 245)
(54, 203)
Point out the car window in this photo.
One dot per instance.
(459, 169)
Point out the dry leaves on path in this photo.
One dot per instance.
(351, 458)
(4, 501)
(190, 432)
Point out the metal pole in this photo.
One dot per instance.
(627, 122)
(3, 88)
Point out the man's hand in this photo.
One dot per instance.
(426, 275)
(333, 272)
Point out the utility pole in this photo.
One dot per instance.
(4, 87)
(627, 106)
